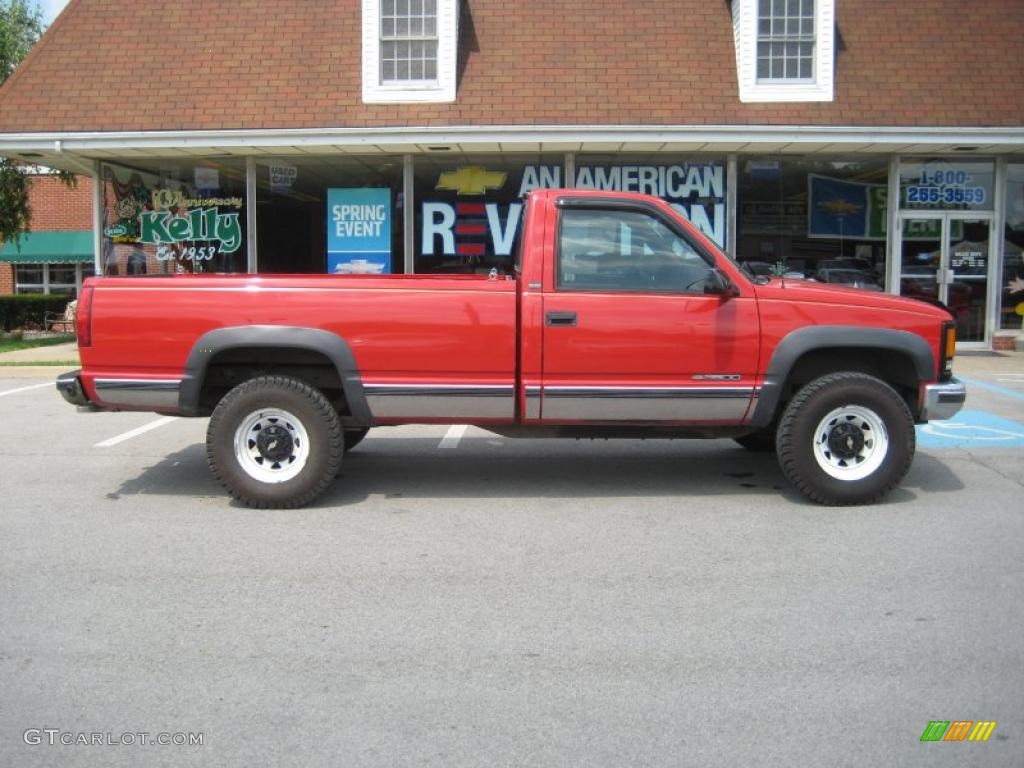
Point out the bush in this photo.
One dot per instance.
(29, 310)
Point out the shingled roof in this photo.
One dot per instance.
(111, 66)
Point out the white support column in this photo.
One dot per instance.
(250, 215)
(98, 219)
(569, 182)
(408, 214)
(731, 196)
(994, 292)
(893, 240)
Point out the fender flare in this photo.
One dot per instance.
(803, 340)
(332, 346)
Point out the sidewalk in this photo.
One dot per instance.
(39, 361)
(968, 363)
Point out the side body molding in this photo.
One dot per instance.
(331, 345)
(835, 337)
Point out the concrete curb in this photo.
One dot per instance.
(34, 371)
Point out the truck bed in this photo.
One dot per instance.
(422, 344)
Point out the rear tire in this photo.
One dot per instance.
(274, 442)
(845, 439)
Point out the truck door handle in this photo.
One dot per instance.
(560, 318)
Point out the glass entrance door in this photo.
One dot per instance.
(944, 258)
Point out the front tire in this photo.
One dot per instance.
(845, 439)
(274, 442)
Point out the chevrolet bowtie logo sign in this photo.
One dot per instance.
(839, 207)
(471, 180)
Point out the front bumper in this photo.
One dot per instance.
(943, 401)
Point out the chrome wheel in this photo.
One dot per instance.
(271, 445)
(850, 443)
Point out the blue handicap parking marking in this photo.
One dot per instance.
(971, 429)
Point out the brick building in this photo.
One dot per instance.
(855, 141)
(58, 254)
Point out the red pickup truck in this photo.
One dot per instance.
(620, 320)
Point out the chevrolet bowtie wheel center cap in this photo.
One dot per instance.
(846, 440)
(274, 443)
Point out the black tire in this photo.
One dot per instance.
(845, 439)
(274, 442)
(762, 441)
(354, 437)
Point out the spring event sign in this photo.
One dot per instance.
(359, 231)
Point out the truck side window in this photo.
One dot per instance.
(613, 250)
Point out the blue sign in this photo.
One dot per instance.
(971, 429)
(837, 208)
(359, 231)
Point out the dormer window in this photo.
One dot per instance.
(784, 49)
(785, 41)
(409, 50)
(408, 42)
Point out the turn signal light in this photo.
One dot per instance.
(948, 348)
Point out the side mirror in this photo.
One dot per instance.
(718, 284)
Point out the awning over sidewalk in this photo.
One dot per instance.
(50, 248)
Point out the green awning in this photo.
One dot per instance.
(50, 248)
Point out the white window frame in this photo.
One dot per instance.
(439, 91)
(819, 88)
(47, 285)
(22, 288)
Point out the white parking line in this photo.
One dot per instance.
(453, 436)
(25, 389)
(136, 432)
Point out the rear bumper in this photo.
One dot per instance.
(943, 401)
(160, 395)
(70, 387)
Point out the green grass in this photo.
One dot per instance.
(12, 345)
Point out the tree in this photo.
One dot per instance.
(21, 25)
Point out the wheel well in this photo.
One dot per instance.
(231, 367)
(895, 368)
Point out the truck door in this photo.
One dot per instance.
(631, 332)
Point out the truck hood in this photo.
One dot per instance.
(791, 290)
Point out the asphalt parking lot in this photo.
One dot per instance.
(462, 599)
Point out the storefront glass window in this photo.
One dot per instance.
(946, 185)
(1012, 315)
(168, 216)
(817, 217)
(468, 208)
(330, 214)
(694, 185)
